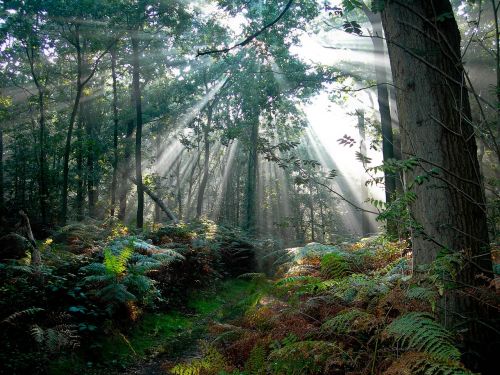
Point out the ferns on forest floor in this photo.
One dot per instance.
(361, 296)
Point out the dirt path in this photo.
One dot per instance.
(229, 302)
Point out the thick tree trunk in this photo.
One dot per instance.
(114, 180)
(138, 132)
(434, 118)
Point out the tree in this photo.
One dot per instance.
(435, 120)
(85, 42)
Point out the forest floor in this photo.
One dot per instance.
(161, 340)
(189, 302)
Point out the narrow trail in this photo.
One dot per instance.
(227, 302)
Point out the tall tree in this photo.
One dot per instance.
(114, 180)
(136, 87)
(435, 120)
(89, 48)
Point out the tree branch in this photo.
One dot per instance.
(249, 38)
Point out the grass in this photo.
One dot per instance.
(170, 333)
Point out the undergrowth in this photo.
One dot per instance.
(350, 308)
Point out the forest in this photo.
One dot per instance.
(249, 187)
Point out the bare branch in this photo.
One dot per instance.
(249, 38)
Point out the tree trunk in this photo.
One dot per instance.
(114, 180)
(158, 201)
(365, 222)
(91, 173)
(434, 118)
(311, 212)
(2, 196)
(138, 132)
(203, 184)
(79, 169)
(179, 190)
(43, 183)
(251, 187)
(67, 148)
(32, 55)
(126, 167)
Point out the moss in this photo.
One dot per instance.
(171, 332)
(154, 334)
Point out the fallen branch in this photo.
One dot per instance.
(158, 201)
(24, 227)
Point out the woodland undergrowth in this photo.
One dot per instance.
(106, 299)
(352, 308)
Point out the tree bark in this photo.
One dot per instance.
(138, 132)
(435, 122)
(114, 180)
(67, 148)
(203, 184)
(79, 169)
(251, 187)
(32, 55)
(179, 190)
(2, 193)
(91, 173)
(365, 222)
(126, 167)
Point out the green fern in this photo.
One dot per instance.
(56, 338)
(115, 293)
(117, 264)
(303, 357)
(335, 266)
(422, 294)
(422, 363)
(419, 331)
(23, 313)
(256, 363)
(296, 280)
(212, 363)
(350, 320)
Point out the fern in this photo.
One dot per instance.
(419, 331)
(20, 314)
(256, 363)
(296, 280)
(350, 320)
(425, 364)
(115, 293)
(56, 338)
(303, 357)
(335, 266)
(117, 264)
(423, 294)
(212, 363)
